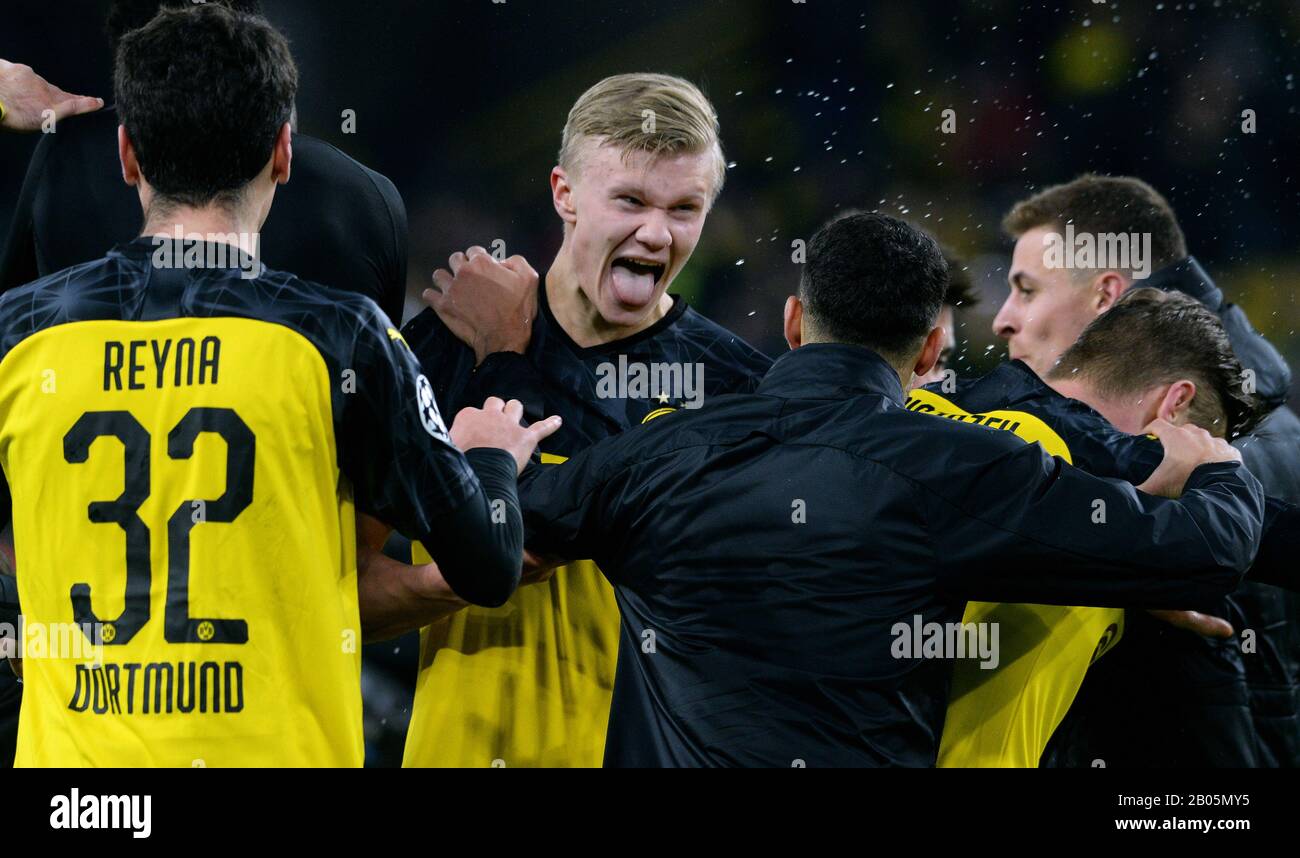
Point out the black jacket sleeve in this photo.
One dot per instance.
(406, 472)
(576, 511)
(1024, 526)
(18, 263)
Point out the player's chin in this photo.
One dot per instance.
(624, 315)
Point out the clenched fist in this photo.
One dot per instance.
(488, 305)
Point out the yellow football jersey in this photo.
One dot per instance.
(1005, 716)
(172, 445)
(534, 679)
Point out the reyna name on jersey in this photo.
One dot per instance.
(139, 364)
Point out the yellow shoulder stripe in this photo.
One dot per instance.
(1026, 426)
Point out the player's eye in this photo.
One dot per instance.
(630, 200)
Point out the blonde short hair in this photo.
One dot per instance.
(655, 113)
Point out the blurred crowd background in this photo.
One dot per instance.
(824, 106)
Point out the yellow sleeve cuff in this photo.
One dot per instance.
(2, 111)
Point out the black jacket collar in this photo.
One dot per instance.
(831, 371)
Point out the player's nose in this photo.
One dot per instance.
(654, 232)
(1006, 323)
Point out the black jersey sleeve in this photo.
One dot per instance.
(393, 252)
(18, 263)
(407, 473)
(508, 375)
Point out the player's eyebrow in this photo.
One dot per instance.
(1020, 278)
(695, 198)
(628, 191)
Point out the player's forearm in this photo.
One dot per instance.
(396, 598)
(479, 546)
(1056, 546)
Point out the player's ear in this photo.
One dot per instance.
(1177, 399)
(562, 195)
(282, 157)
(126, 154)
(930, 351)
(1107, 289)
(793, 322)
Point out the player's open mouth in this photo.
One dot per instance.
(634, 280)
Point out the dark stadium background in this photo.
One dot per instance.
(823, 105)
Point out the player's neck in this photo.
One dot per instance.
(209, 223)
(1072, 388)
(581, 319)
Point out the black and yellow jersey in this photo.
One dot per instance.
(184, 450)
(1005, 716)
(530, 684)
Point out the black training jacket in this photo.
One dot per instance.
(766, 549)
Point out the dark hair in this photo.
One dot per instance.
(1104, 204)
(127, 15)
(873, 280)
(961, 289)
(1150, 337)
(203, 92)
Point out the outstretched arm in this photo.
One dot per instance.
(25, 97)
(1048, 533)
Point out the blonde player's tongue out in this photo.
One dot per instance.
(634, 280)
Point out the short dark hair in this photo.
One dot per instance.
(961, 289)
(1104, 204)
(127, 15)
(873, 280)
(1150, 337)
(203, 92)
